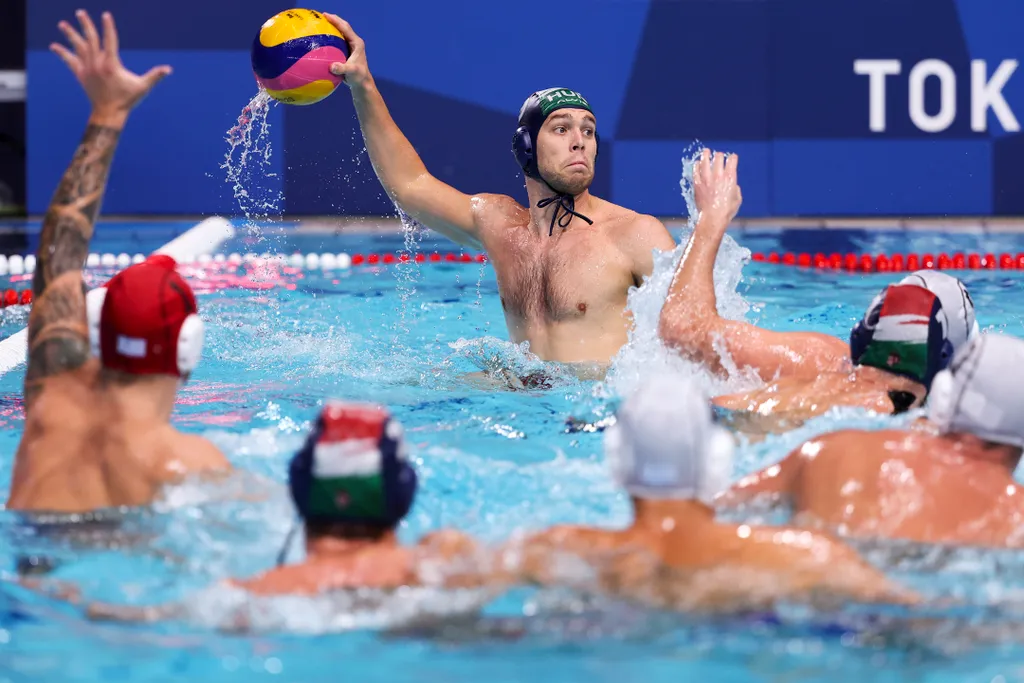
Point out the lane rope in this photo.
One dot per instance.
(894, 263)
(203, 238)
(26, 265)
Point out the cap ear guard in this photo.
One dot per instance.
(190, 343)
(522, 148)
(941, 361)
(940, 400)
(618, 454)
(402, 492)
(864, 331)
(94, 300)
(299, 479)
(190, 337)
(719, 464)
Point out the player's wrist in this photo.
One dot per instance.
(364, 88)
(108, 117)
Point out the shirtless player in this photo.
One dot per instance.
(908, 334)
(97, 422)
(948, 480)
(352, 485)
(565, 263)
(672, 460)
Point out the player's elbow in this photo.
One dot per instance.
(415, 193)
(678, 331)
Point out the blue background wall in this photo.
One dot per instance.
(770, 79)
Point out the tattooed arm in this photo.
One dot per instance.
(58, 337)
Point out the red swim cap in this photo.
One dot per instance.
(144, 321)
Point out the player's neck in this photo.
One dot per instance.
(544, 202)
(143, 399)
(890, 379)
(334, 547)
(663, 516)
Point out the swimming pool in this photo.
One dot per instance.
(491, 460)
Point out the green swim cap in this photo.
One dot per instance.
(534, 112)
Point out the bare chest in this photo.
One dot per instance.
(565, 278)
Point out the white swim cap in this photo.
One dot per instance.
(956, 303)
(664, 443)
(982, 393)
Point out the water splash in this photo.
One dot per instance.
(508, 363)
(247, 162)
(644, 355)
(407, 276)
(223, 607)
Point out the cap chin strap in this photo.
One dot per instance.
(282, 555)
(565, 202)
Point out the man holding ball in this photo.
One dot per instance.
(564, 263)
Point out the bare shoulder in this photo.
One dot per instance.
(193, 454)
(651, 233)
(847, 437)
(855, 443)
(492, 208)
(290, 579)
(636, 235)
(826, 444)
(572, 538)
(629, 224)
(448, 543)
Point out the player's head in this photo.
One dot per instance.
(665, 443)
(352, 477)
(904, 331)
(556, 141)
(144, 322)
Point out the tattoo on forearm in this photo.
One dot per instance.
(58, 336)
(68, 225)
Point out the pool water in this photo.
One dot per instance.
(492, 460)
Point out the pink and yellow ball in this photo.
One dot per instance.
(292, 56)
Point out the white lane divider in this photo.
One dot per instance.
(203, 237)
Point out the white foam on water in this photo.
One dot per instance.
(233, 609)
(505, 361)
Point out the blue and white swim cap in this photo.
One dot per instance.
(665, 444)
(956, 303)
(982, 392)
(904, 331)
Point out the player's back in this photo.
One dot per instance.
(906, 484)
(80, 451)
